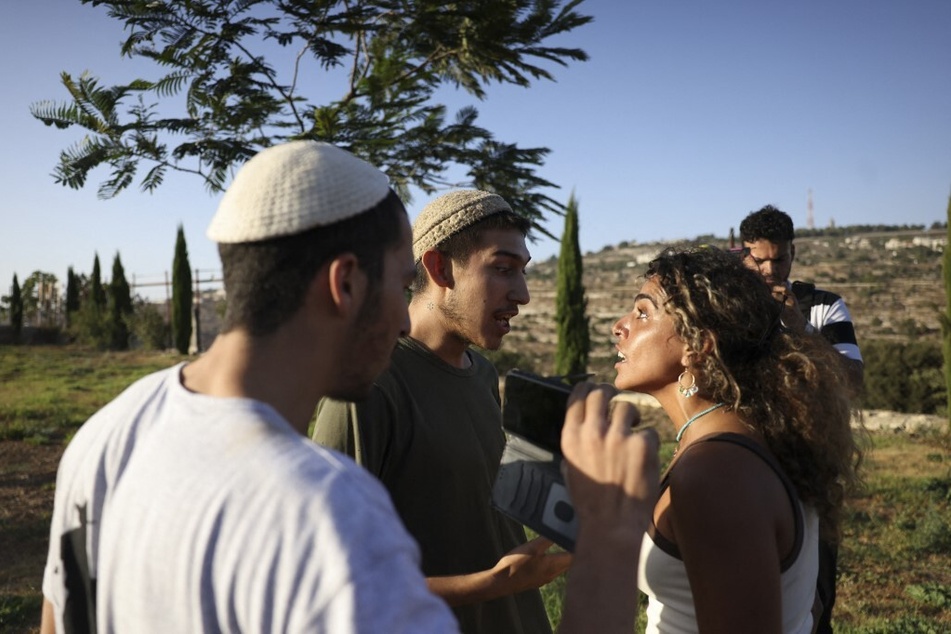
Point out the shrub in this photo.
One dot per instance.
(148, 327)
(91, 326)
(904, 377)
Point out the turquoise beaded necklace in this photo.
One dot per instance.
(693, 418)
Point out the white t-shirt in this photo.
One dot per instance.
(204, 514)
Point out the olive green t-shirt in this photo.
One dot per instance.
(432, 434)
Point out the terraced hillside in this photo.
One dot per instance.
(891, 281)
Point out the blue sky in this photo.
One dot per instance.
(688, 115)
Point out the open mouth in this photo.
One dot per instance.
(504, 319)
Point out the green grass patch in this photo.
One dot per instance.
(49, 391)
(19, 613)
(895, 560)
(894, 563)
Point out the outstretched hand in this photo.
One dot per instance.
(612, 469)
(525, 567)
(612, 472)
(530, 565)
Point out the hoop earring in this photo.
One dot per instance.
(687, 390)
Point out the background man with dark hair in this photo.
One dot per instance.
(767, 237)
(431, 431)
(768, 247)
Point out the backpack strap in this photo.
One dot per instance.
(805, 295)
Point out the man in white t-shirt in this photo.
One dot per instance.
(194, 501)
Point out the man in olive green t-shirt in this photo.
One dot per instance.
(431, 428)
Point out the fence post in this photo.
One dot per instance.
(168, 311)
(196, 314)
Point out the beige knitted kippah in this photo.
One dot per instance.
(451, 213)
(293, 187)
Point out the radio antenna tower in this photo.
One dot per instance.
(810, 219)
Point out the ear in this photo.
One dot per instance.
(690, 356)
(687, 359)
(438, 267)
(346, 283)
(792, 251)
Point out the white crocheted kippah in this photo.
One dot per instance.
(293, 187)
(451, 213)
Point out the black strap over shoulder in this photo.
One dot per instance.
(79, 613)
(766, 456)
(805, 293)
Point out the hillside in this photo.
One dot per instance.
(891, 281)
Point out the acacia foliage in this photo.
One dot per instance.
(390, 58)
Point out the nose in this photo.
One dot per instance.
(619, 329)
(519, 293)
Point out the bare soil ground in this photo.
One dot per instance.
(27, 478)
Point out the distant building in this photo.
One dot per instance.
(934, 243)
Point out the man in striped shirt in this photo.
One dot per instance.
(768, 247)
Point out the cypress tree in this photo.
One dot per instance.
(91, 323)
(72, 296)
(97, 293)
(946, 318)
(574, 344)
(16, 309)
(120, 306)
(181, 295)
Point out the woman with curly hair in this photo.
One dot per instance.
(765, 451)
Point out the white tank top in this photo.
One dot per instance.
(661, 574)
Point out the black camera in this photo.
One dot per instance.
(530, 487)
(534, 408)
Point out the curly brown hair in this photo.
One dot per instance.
(792, 388)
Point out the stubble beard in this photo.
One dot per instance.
(366, 335)
(454, 322)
